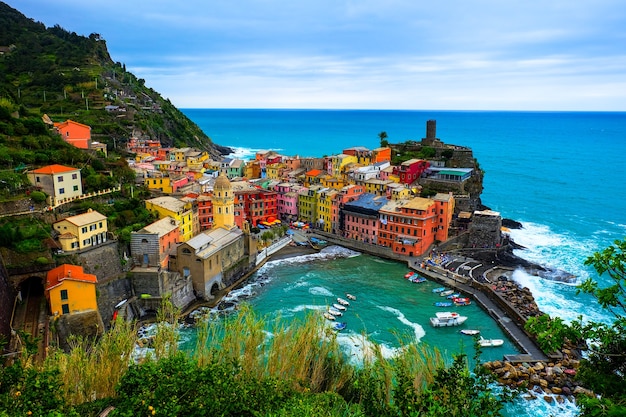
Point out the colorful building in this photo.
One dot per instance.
(82, 231)
(409, 227)
(411, 170)
(326, 197)
(61, 183)
(178, 210)
(74, 133)
(360, 218)
(70, 290)
(151, 246)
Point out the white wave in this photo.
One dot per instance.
(305, 307)
(330, 252)
(247, 153)
(320, 291)
(358, 348)
(418, 330)
(523, 407)
(558, 251)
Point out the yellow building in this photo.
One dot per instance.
(223, 201)
(181, 211)
(70, 290)
(325, 209)
(397, 191)
(378, 187)
(179, 154)
(82, 231)
(274, 171)
(338, 162)
(307, 204)
(196, 160)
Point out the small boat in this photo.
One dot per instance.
(342, 301)
(469, 332)
(446, 293)
(329, 316)
(339, 307)
(439, 290)
(417, 279)
(350, 296)
(334, 312)
(443, 304)
(339, 326)
(453, 296)
(410, 274)
(490, 342)
(446, 319)
(461, 301)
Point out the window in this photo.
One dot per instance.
(63, 294)
(37, 179)
(60, 178)
(65, 308)
(61, 190)
(74, 176)
(75, 188)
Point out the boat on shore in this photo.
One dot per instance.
(469, 332)
(490, 342)
(447, 319)
(350, 296)
(329, 316)
(343, 302)
(339, 307)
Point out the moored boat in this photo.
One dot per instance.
(461, 301)
(443, 304)
(490, 342)
(417, 279)
(469, 332)
(334, 312)
(439, 290)
(446, 319)
(410, 274)
(339, 307)
(342, 301)
(340, 325)
(350, 296)
(446, 293)
(453, 296)
(329, 316)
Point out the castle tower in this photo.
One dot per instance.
(431, 134)
(223, 203)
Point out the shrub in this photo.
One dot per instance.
(38, 196)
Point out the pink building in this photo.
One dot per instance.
(287, 197)
(361, 218)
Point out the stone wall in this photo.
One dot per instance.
(103, 261)
(109, 293)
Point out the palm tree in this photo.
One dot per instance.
(383, 139)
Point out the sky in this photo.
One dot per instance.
(362, 54)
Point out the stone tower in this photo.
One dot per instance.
(223, 203)
(431, 134)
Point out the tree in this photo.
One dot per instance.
(604, 368)
(383, 139)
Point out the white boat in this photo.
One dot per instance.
(469, 332)
(339, 307)
(329, 316)
(342, 301)
(490, 342)
(350, 297)
(445, 319)
(446, 293)
(334, 312)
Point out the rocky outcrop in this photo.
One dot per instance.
(554, 381)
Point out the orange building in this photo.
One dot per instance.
(74, 133)
(70, 290)
(409, 227)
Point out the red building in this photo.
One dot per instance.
(409, 171)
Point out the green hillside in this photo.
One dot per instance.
(67, 76)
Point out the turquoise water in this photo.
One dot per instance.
(559, 173)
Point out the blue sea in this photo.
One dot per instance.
(561, 174)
